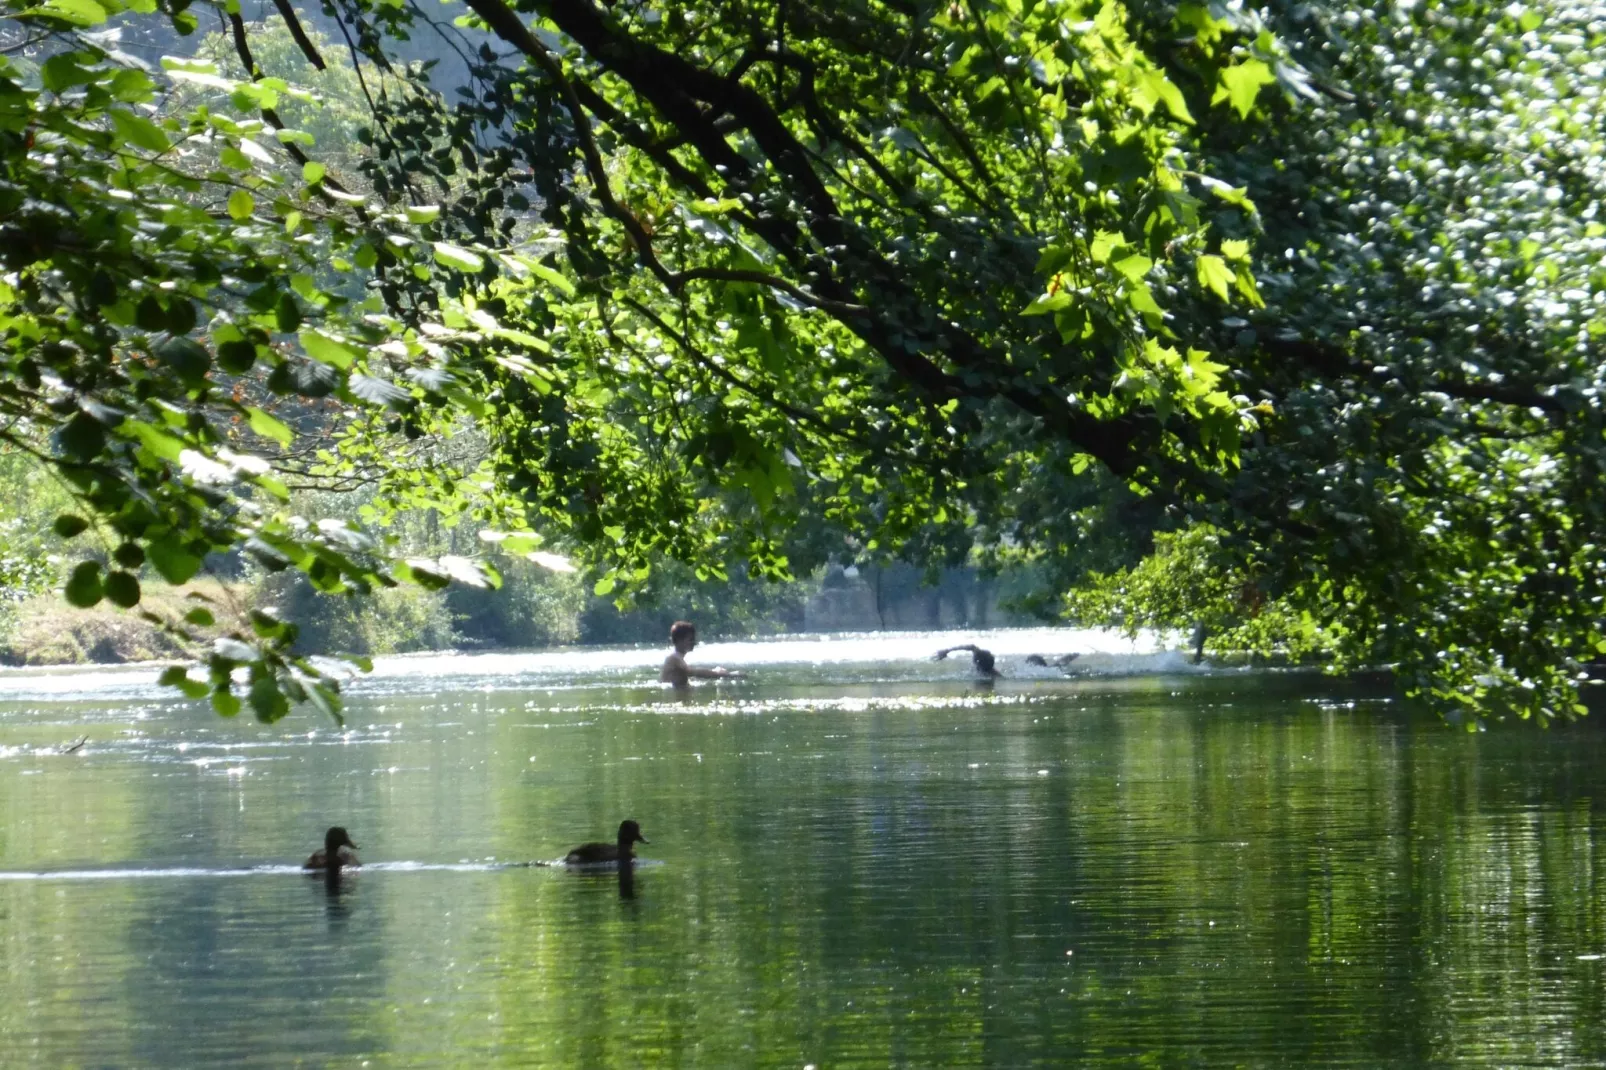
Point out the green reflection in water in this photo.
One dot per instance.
(1226, 870)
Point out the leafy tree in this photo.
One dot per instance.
(731, 282)
(160, 282)
(1429, 494)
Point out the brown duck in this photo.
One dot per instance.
(338, 851)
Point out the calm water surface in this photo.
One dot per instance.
(858, 858)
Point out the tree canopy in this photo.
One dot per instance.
(1310, 296)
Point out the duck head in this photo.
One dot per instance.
(335, 839)
(629, 833)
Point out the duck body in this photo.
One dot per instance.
(320, 859)
(338, 853)
(598, 854)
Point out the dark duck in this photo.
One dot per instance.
(338, 852)
(593, 854)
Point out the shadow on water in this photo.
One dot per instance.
(336, 884)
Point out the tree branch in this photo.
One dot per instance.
(686, 95)
(303, 42)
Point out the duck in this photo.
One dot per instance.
(591, 854)
(338, 851)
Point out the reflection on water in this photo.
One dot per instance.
(852, 863)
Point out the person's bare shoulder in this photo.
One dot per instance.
(674, 670)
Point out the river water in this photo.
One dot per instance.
(858, 858)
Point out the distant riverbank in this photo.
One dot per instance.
(533, 609)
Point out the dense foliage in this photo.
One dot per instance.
(770, 283)
(1430, 493)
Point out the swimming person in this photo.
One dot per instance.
(683, 637)
(981, 659)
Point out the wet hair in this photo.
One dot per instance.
(681, 629)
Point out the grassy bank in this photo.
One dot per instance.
(45, 630)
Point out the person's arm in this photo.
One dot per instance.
(711, 674)
(941, 654)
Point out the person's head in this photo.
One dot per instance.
(683, 636)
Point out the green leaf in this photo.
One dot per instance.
(241, 204)
(176, 564)
(1154, 86)
(75, 12)
(82, 437)
(1240, 85)
(423, 213)
(312, 172)
(122, 589)
(83, 587)
(132, 87)
(1106, 242)
(327, 701)
(1054, 258)
(377, 391)
(187, 357)
(267, 700)
(181, 316)
(1141, 298)
(327, 350)
(554, 278)
(287, 313)
(225, 702)
(1134, 267)
(455, 256)
(68, 525)
(267, 626)
(1215, 275)
(139, 131)
(150, 314)
(1246, 286)
(200, 616)
(1047, 303)
(159, 442)
(177, 676)
(236, 356)
(604, 586)
(62, 71)
(269, 426)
